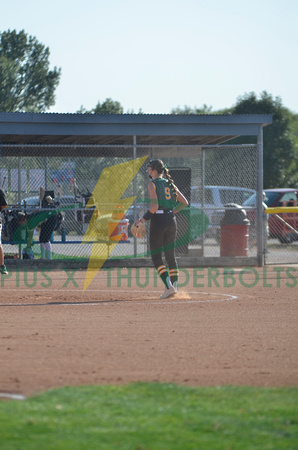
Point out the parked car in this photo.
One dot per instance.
(274, 198)
(215, 197)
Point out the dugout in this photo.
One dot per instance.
(52, 148)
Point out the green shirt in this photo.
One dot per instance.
(165, 194)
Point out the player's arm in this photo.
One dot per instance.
(182, 202)
(154, 204)
(3, 201)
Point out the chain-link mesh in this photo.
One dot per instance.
(282, 243)
(220, 183)
(230, 179)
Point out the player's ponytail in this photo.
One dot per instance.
(170, 180)
(161, 168)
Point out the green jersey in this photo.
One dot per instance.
(165, 194)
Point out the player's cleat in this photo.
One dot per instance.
(168, 292)
(175, 286)
(4, 270)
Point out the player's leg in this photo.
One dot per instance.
(3, 269)
(169, 247)
(156, 249)
(48, 250)
(42, 250)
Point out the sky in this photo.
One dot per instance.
(153, 56)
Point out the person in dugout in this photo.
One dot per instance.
(47, 228)
(3, 204)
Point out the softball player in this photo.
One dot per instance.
(166, 200)
(3, 204)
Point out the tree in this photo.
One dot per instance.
(8, 82)
(109, 106)
(189, 110)
(26, 83)
(279, 149)
(205, 109)
(292, 172)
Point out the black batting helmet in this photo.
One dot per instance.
(156, 164)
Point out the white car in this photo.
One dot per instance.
(212, 200)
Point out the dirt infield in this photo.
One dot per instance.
(223, 328)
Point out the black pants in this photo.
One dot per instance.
(163, 228)
(47, 228)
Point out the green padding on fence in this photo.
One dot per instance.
(36, 219)
(199, 223)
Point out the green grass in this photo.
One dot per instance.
(152, 416)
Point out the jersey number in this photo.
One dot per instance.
(168, 193)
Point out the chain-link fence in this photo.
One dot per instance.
(282, 243)
(83, 201)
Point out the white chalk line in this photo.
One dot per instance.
(227, 297)
(165, 301)
(12, 396)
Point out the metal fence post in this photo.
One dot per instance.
(135, 244)
(260, 219)
(46, 165)
(203, 197)
(20, 193)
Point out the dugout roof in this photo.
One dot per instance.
(40, 129)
